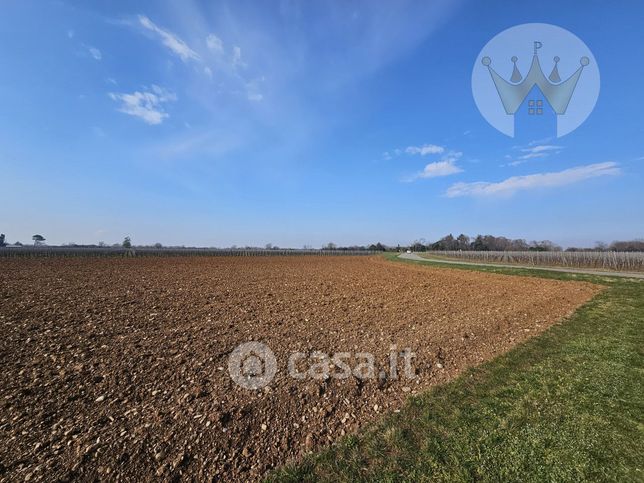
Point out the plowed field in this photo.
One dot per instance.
(118, 368)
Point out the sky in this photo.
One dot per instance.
(207, 123)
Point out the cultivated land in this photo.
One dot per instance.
(118, 367)
(567, 405)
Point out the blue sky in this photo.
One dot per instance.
(292, 123)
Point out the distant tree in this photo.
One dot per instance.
(628, 246)
(463, 242)
(18, 243)
(330, 246)
(601, 246)
(446, 243)
(158, 245)
(102, 244)
(520, 245)
(545, 246)
(378, 247)
(2, 243)
(417, 246)
(38, 239)
(268, 246)
(491, 243)
(477, 244)
(127, 242)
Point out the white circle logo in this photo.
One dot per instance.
(535, 81)
(252, 365)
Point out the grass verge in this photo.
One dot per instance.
(567, 405)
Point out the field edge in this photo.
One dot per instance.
(565, 405)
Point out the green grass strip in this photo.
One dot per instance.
(567, 405)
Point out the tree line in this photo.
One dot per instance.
(446, 243)
(503, 244)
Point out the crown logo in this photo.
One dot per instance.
(557, 93)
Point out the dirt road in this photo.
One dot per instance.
(418, 258)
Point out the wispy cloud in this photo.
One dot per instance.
(541, 148)
(387, 155)
(237, 57)
(535, 151)
(226, 63)
(94, 52)
(215, 44)
(425, 149)
(146, 105)
(170, 40)
(511, 185)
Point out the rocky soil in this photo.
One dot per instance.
(117, 369)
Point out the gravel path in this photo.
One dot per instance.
(418, 258)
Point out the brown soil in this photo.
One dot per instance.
(117, 368)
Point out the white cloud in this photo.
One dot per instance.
(542, 180)
(439, 168)
(171, 41)
(94, 52)
(254, 96)
(425, 149)
(146, 105)
(208, 71)
(445, 167)
(70, 34)
(215, 44)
